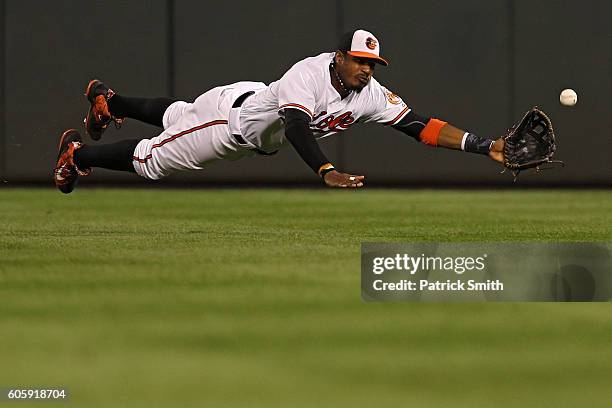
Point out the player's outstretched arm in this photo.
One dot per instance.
(303, 141)
(455, 138)
(435, 132)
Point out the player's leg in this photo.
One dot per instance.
(186, 146)
(112, 156)
(76, 159)
(106, 106)
(177, 148)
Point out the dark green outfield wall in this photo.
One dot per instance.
(478, 64)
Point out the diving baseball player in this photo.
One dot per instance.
(317, 97)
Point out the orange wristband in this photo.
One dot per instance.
(325, 167)
(430, 133)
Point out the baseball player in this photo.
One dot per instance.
(317, 97)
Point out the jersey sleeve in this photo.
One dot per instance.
(296, 90)
(386, 107)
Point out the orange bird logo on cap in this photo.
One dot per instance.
(371, 43)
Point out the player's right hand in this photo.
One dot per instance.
(336, 179)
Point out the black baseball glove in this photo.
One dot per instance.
(530, 143)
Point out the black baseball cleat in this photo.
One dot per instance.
(66, 173)
(99, 117)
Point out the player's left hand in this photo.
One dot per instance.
(497, 151)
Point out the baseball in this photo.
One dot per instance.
(568, 97)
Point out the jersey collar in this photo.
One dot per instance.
(329, 88)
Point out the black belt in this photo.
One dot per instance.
(238, 103)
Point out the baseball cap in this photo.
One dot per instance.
(361, 43)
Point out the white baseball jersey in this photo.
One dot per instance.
(201, 132)
(307, 87)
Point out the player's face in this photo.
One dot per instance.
(355, 72)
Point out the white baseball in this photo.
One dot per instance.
(568, 97)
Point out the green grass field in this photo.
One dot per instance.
(251, 298)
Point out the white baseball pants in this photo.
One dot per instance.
(194, 135)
